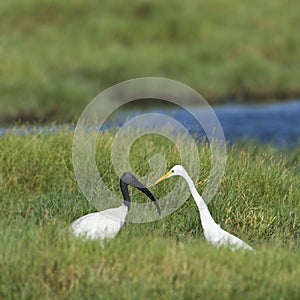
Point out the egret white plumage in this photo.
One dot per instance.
(213, 233)
(107, 223)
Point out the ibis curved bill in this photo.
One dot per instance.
(213, 233)
(107, 223)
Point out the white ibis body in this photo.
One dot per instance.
(213, 233)
(107, 223)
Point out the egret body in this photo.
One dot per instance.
(213, 233)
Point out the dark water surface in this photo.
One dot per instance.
(278, 124)
(272, 123)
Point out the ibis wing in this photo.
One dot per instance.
(99, 225)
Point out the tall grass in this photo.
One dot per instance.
(58, 55)
(168, 259)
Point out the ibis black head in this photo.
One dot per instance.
(129, 179)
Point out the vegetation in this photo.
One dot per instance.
(168, 259)
(58, 55)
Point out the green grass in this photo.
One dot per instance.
(58, 55)
(168, 259)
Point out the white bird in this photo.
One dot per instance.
(213, 233)
(107, 223)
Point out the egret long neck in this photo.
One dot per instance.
(205, 216)
(198, 199)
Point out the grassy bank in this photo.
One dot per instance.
(168, 259)
(57, 55)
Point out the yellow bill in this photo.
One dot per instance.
(163, 177)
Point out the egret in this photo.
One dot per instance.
(213, 233)
(107, 223)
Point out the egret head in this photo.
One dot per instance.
(177, 170)
(129, 179)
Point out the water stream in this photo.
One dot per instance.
(269, 123)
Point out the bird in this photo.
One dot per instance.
(107, 223)
(213, 233)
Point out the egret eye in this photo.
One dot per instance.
(172, 171)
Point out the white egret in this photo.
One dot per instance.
(213, 233)
(107, 223)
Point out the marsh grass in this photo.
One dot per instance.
(58, 55)
(168, 259)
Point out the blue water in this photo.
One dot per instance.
(276, 123)
(273, 123)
